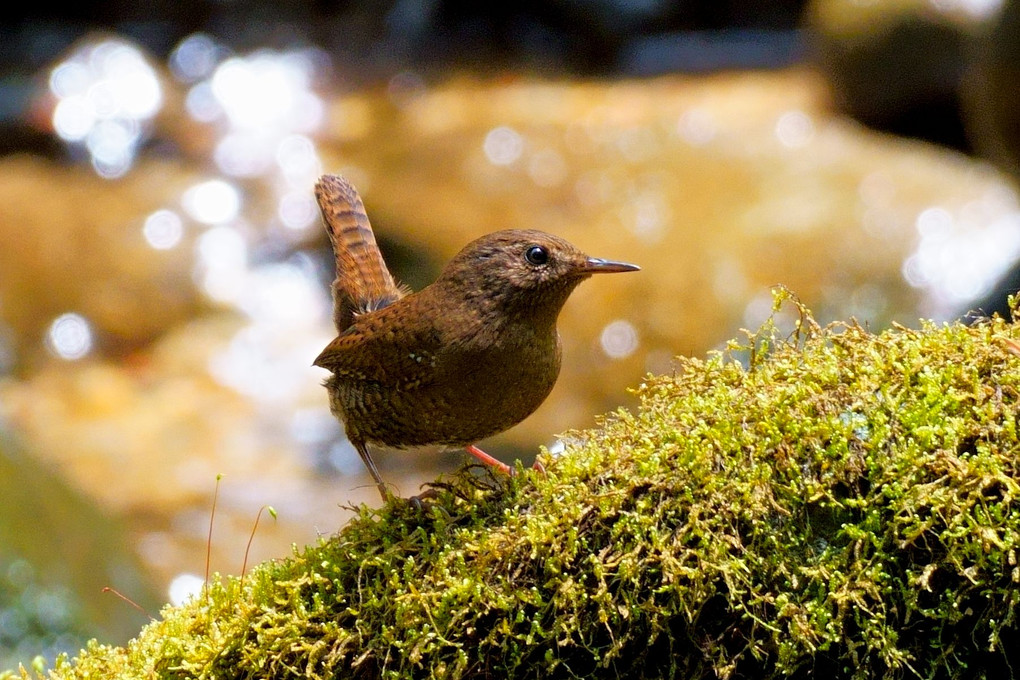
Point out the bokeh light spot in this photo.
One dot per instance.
(69, 79)
(298, 159)
(163, 229)
(795, 129)
(105, 92)
(202, 104)
(619, 339)
(73, 118)
(212, 202)
(242, 154)
(194, 58)
(183, 587)
(503, 145)
(697, 127)
(297, 209)
(70, 336)
(224, 255)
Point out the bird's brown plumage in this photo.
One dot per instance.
(362, 283)
(467, 357)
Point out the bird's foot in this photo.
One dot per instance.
(423, 501)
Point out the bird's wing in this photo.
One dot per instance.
(370, 351)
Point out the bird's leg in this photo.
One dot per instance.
(370, 464)
(487, 459)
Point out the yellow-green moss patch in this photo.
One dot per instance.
(842, 504)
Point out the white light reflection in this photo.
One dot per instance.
(977, 9)
(70, 79)
(265, 112)
(163, 229)
(105, 93)
(559, 446)
(795, 129)
(619, 339)
(556, 449)
(958, 260)
(201, 103)
(111, 143)
(212, 202)
(133, 86)
(223, 254)
(503, 145)
(70, 337)
(298, 160)
(184, 587)
(286, 308)
(243, 154)
(103, 99)
(268, 105)
(297, 210)
(697, 127)
(282, 296)
(934, 223)
(195, 57)
(73, 117)
(267, 91)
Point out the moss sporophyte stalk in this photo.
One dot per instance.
(833, 503)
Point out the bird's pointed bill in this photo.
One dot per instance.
(596, 265)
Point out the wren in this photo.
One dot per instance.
(467, 357)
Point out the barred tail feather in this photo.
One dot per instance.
(363, 283)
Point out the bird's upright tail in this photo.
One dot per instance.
(363, 283)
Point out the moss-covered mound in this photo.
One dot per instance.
(841, 505)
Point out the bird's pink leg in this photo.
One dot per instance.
(489, 460)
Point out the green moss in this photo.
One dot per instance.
(841, 503)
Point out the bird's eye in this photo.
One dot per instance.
(536, 255)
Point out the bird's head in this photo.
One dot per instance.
(523, 269)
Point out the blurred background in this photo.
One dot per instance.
(164, 276)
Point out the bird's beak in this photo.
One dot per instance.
(596, 265)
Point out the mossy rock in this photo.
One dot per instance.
(835, 503)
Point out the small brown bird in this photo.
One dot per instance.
(467, 357)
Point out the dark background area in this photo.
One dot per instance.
(907, 68)
(588, 38)
(375, 40)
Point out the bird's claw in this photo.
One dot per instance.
(423, 501)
